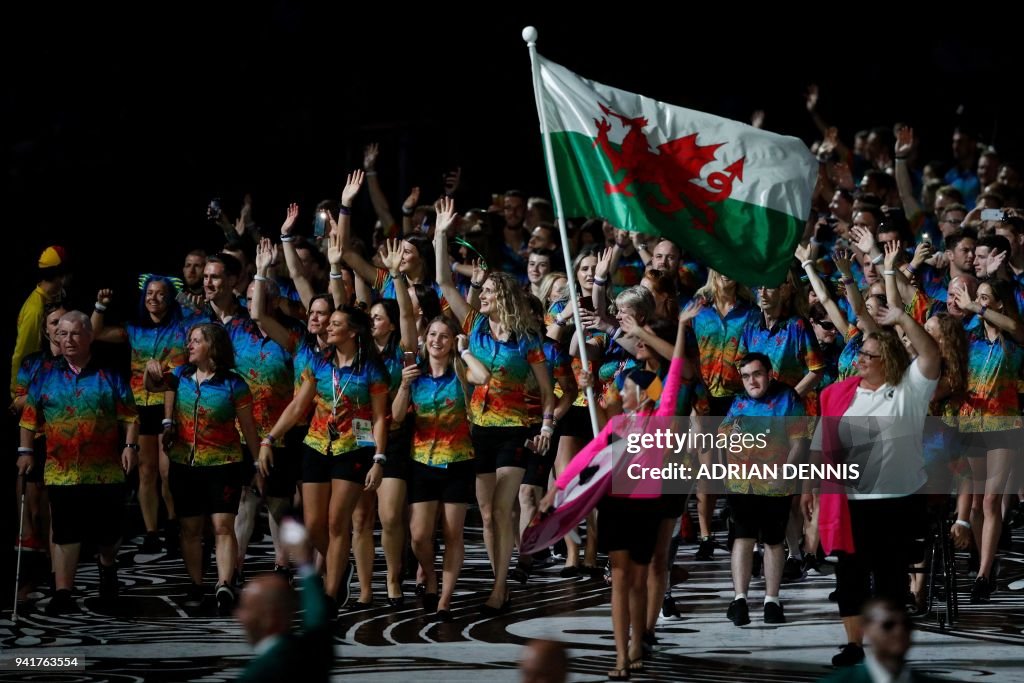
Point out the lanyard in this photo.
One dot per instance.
(336, 394)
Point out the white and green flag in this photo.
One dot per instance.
(732, 195)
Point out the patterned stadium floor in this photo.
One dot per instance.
(153, 636)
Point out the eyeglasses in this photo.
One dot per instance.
(865, 354)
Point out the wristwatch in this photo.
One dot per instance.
(380, 458)
(133, 446)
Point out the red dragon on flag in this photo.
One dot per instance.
(674, 169)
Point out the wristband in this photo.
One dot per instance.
(455, 266)
(99, 307)
(133, 446)
(912, 269)
(888, 272)
(407, 212)
(547, 429)
(901, 158)
(26, 450)
(475, 285)
(808, 262)
(380, 459)
(549, 416)
(286, 238)
(463, 352)
(981, 313)
(560, 322)
(344, 210)
(848, 281)
(599, 282)
(261, 278)
(369, 174)
(337, 276)
(878, 259)
(267, 441)
(167, 422)
(964, 523)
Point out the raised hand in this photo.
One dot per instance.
(392, 256)
(240, 226)
(921, 254)
(628, 325)
(811, 97)
(479, 273)
(370, 156)
(604, 263)
(461, 343)
(445, 214)
(862, 239)
(289, 218)
(104, 296)
(692, 310)
(842, 258)
(842, 176)
(961, 297)
(353, 183)
(892, 252)
(888, 315)
(802, 252)
(412, 200)
(409, 374)
(995, 260)
(904, 142)
(264, 255)
(335, 252)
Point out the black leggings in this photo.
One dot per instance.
(884, 530)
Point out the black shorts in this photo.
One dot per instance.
(397, 452)
(628, 524)
(209, 490)
(453, 484)
(978, 444)
(760, 517)
(672, 505)
(151, 420)
(575, 423)
(86, 512)
(318, 468)
(284, 475)
(497, 447)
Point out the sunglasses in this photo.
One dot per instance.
(825, 325)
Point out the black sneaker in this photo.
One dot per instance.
(834, 596)
(793, 571)
(151, 544)
(195, 594)
(773, 613)
(738, 612)
(569, 572)
(849, 654)
(345, 589)
(981, 592)
(705, 550)
(62, 603)
(108, 582)
(669, 609)
(225, 599)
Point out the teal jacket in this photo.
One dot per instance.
(310, 652)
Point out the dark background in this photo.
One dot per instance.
(119, 129)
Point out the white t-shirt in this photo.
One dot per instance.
(886, 443)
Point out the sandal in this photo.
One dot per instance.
(618, 675)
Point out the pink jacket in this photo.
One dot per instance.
(833, 512)
(666, 408)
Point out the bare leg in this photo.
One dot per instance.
(227, 546)
(742, 564)
(506, 488)
(149, 468)
(362, 542)
(422, 527)
(485, 485)
(454, 550)
(391, 508)
(344, 498)
(245, 522)
(316, 513)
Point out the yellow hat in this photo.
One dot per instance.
(51, 257)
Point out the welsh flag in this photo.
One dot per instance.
(734, 196)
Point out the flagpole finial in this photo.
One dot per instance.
(530, 35)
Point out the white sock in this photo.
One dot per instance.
(740, 596)
(772, 598)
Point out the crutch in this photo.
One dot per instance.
(21, 530)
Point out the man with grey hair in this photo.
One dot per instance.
(92, 441)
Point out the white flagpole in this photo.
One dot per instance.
(530, 36)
